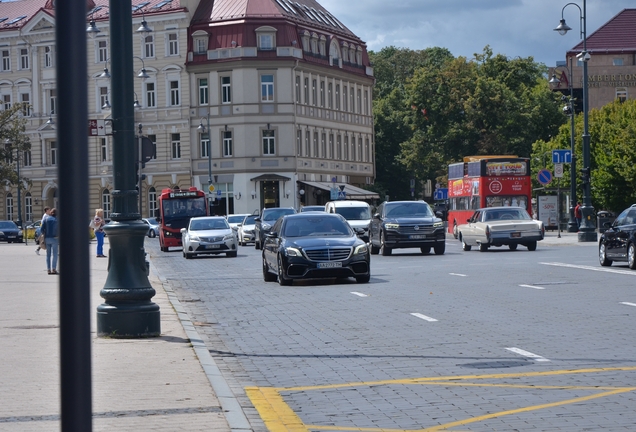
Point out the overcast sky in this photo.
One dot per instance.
(511, 27)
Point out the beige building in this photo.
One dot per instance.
(285, 91)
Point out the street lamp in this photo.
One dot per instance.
(203, 129)
(587, 231)
(127, 310)
(568, 110)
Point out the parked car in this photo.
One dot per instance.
(312, 245)
(246, 230)
(618, 242)
(500, 226)
(235, 219)
(357, 213)
(10, 232)
(153, 227)
(264, 222)
(406, 224)
(208, 235)
(312, 208)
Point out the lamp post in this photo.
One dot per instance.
(203, 130)
(587, 231)
(573, 226)
(127, 311)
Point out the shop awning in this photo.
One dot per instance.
(353, 192)
(270, 177)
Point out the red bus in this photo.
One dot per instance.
(487, 181)
(176, 208)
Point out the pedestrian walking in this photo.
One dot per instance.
(39, 239)
(49, 229)
(577, 214)
(97, 224)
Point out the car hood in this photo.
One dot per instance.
(248, 227)
(317, 242)
(413, 220)
(211, 233)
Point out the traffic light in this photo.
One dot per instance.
(585, 174)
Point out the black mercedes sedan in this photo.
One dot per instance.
(10, 232)
(314, 246)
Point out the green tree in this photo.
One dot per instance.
(13, 142)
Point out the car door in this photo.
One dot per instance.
(468, 231)
(376, 225)
(624, 233)
(271, 245)
(612, 239)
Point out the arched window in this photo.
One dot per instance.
(334, 54)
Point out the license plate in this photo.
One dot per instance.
(12, 236)
(417, 236)
(330, 264)
(214, 246)
(515, 234)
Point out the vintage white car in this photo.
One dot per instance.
(501, 226)
(208, 235)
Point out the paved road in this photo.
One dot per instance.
(465, 341)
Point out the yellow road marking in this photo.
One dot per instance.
(276, 414)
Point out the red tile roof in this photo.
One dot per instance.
(616, 35)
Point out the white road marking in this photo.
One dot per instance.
(531, 286)
(584, 267)
(628, 303)
(359, 294)
(407, 267)
(424, 317)
(457, 274)
(528, 354)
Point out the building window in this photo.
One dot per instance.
(269, 143)
(330, 96)
(621, 94)
(323, 45)
(331, 153)
(149, 46)
(314, 92)
(352, 95)
(617, 62)
(314, 43)
(173, 44)
(205, 145)
(24, 58)
(306, 91)
(106, 203)
(307, 144)
(151, 97)
(226, 90)
(265, 42)
(52, 153)
(201, 45)
(48, 57)
(359, 104)
(316, 145)
(9, 206)
(174, 93)
(102, 51)
(228, 150)
(345, 148)
(359, 152)
(6, 60)
(104, 149)
(26, 159)
(53, 101)
(345, 53)
(339, 147)
(366, 102)
(152, 202)
(6, 101)
(267, 88)
(322, 94)
(203, 91)
(345, 105)
(366, 150)
(176, 146)
(299, 142)
(323, 145)
(337, 96)
(153, 138)
(25, 98)
(297, 88)
(103, 98)
(28, 206)
(359, 56)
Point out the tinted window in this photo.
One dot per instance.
(275, 214)
(249, 220)
(235, 219)
(354, 213)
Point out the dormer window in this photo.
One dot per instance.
(345, 52)
(352, 54)
(314, 43)
(266, 38)
(359, 55)
(334, 54)
(323, 46)
(305, 39)
(200, 42)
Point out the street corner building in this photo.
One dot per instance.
(269, 100)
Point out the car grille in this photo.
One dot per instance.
(421, 229)
(328, 254)
(212, 239)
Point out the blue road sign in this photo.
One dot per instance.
(561, 156)
(440, 194)
(544, 176)
(342, 195)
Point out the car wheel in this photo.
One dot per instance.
(363, 279)
(513, 247)
(455, 232)
(281, 274)
(267, 276)
(232, 254)
(425, 250)
(464, 245)
(483, 247)
(257, 245)
(152, 234)
(602, 256)
(532, 246)
(631, 256)
(187, 255)
(386, 251)
(374, 249)
(440, 248)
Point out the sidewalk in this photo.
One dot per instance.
(138, 385)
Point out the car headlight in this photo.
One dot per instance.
(194, 237)
(391, 226)
(20, 232)
(228, 237)
(168, 234)
(362, 249)
(266, 226)
(293, 252)
(438, 224)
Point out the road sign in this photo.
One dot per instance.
(219, 193)
(96, 127)
(211, 188)
(342, 195)
(440, 194)
(544, 176)
(561, 156)
(333, 193)
(558, 170)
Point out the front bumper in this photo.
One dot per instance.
(202, 247)
(302, 268)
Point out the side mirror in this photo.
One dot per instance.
(184, 230)
(607, 224)
(376, 216)
(439, 214)
(258, 219)
(271, 234)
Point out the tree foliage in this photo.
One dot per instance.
(13, 142)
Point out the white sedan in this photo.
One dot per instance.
(235, 219)
(208, 235)
(501, 226)
(246, 230)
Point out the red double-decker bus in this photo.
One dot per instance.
(176, 208)
(487, 181)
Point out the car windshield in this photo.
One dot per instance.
(208, 224)
(152, 221)
(506, 214)
(235, 218)
(312, 208)
(409, 209)
(354, 213)
(275, 214)
(249, 220)
(7, 225)
(317, 227)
